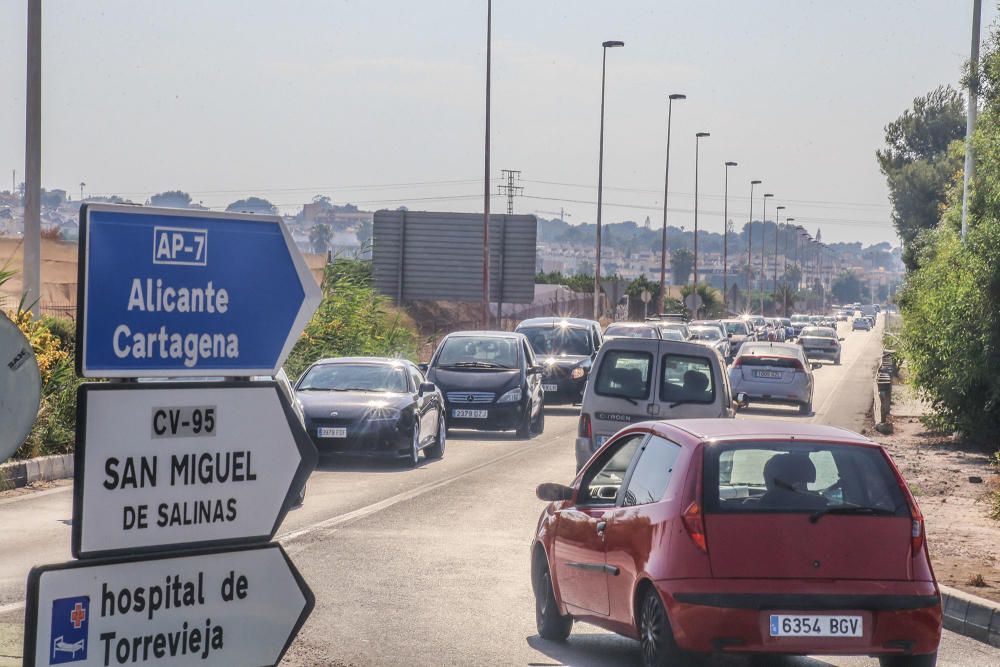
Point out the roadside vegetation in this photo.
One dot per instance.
(352, 320)
(951, 302)
(52, 340)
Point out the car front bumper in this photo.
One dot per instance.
(567, 389)
(732, 616)
(499, 416)
(366, 438)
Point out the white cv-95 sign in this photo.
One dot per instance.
(170, 464)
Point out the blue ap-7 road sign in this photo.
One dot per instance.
(174, 292)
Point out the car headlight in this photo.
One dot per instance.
(577, 373)
(512, 396)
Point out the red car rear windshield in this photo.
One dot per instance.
(800, 477)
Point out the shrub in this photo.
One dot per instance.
(54, 431)
(353, 319)
(951, 328)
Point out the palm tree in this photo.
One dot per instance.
(784, 299)
(711, 299)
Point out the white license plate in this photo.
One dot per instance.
(550, 387)
(332, 432)
(801, 625)
(600, 440)
(470, 414)
(767, 374)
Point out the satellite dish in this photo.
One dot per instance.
(20, 387)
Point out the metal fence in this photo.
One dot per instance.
(64, 310)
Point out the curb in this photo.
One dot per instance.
(42, 469)
(971, 616)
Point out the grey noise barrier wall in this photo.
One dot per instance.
(423, 255)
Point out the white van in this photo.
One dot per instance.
(640, 379)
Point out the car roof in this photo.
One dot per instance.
(764, 347)
(574, 322)
(646, 343)
(760, 429)
(363, 360)
(486, 334)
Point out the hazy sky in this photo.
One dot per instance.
(380, 102)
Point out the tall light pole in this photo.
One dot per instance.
(486, 187)
(697, 142)
(970, 124)
(777, 226)
(784, 267)
(725, 242)
(32, 263)
(666, 182)
(600, 181)
(750, 245)
(763, 238)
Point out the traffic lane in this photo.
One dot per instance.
(444, 579)
(342, 485)
(842, 395)
(35, 529)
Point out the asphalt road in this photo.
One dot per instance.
(430, 566)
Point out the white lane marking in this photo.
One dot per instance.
(386, 503)
(13, 606)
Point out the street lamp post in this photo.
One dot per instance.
(777, 226)
(725, 242)
(750, 246)
(666, 182)
(763, 238)
(784, 266)
(600, 182)
(697, 142)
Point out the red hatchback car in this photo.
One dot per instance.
(760, 537)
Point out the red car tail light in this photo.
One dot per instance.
(584, 430)
(916, 529)
(737, 362)
(694, 522)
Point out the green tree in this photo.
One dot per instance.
(711, 300)
(171, 199)
(784, 299)
(681, 265)
(253, 205)
(919, 163)
(848, 288)
(319, 238)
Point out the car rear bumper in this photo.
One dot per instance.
(732, 616)
(821, 353)
(771, 392)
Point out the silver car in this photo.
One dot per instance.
(711, 337)
(820, 343)
(773, 373)
(738, 332)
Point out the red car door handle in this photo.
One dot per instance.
(601, 525)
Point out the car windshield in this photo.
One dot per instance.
(819, 332)
(735, 327)
(800, 318)
(478, 352)
(671, 334)
(558, 340)
(800, 477)
(625, 331)
(705, 333)
(354, 377)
